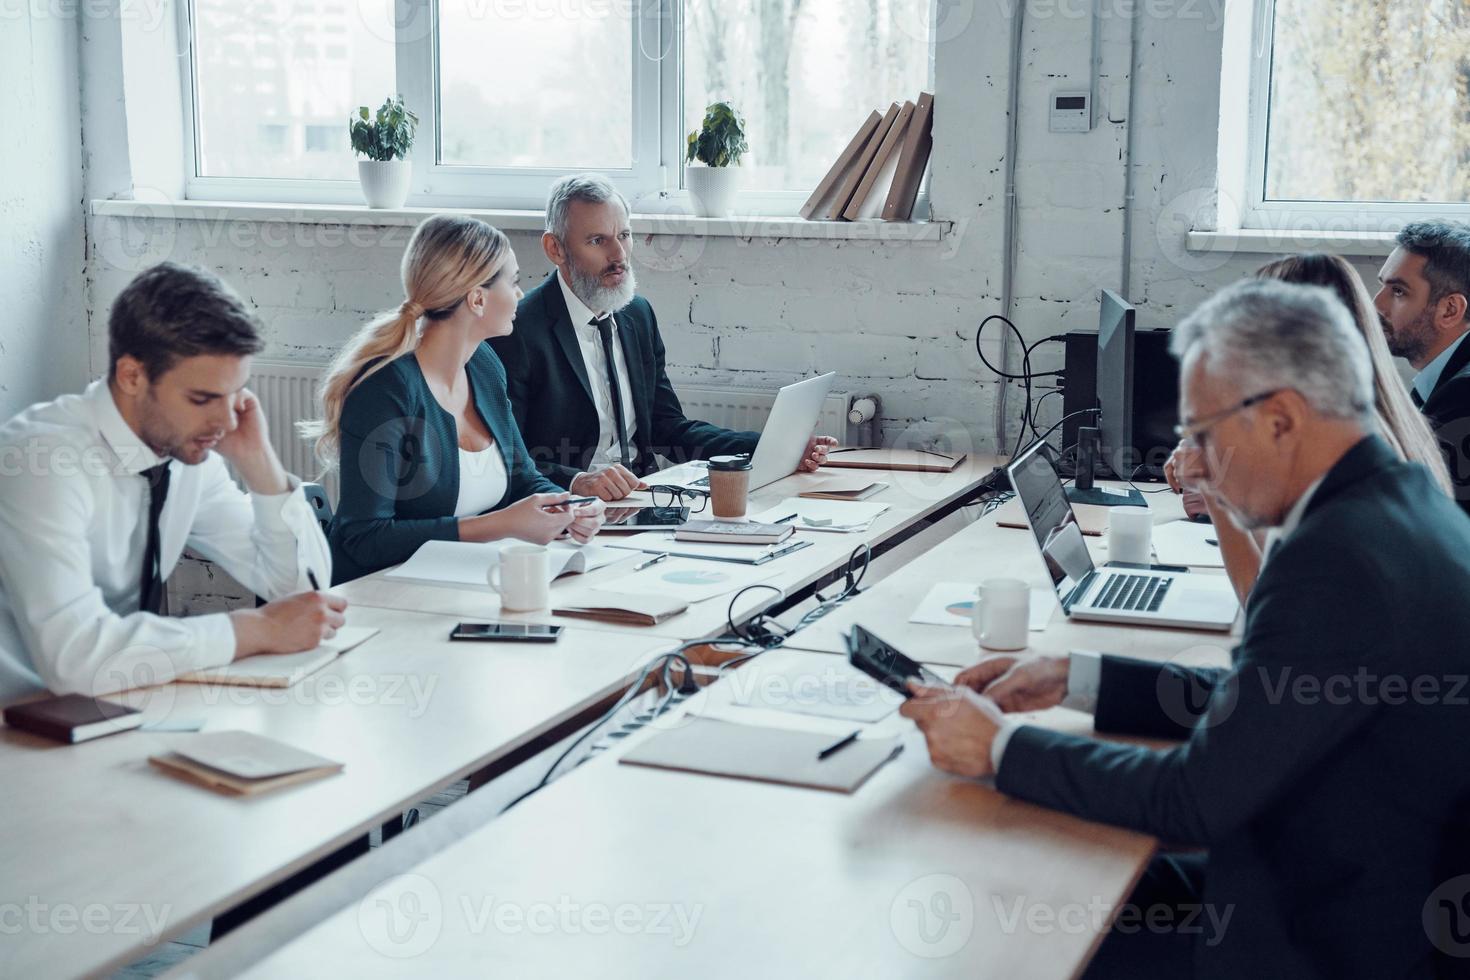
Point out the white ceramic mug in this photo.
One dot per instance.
(1130, 535)
(522, 577)
(1002, 615)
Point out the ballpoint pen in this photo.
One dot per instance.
(836, 747)
(651, 562)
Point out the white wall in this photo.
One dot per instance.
(43, 329)
(898, 319)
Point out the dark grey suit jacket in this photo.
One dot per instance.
(1333, 794)
(1448, 410)
(552, 399)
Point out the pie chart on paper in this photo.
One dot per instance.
(964, 610)
(696, 577)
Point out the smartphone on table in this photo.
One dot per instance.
(885, 664)
(507, 632)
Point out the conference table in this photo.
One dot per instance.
(913, 498)
(106, 855)
(624, 871)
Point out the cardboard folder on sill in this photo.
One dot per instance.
(622, 608)
(767, 755)
(908, 460)
(1092, 518)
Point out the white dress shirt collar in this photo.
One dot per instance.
(1428, 379)
(1294, 515)
(133, 454)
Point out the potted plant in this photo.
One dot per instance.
(718, 144)
(385, 141)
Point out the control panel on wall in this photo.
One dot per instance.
(1071, 112)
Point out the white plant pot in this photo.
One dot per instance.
(712, 189)
(384, 182)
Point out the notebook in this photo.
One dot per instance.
(909, 460)
(467, 564)
(767, 755)
(281, 670)
(623, 609)
(734, 532)
(825, 515)
(843, 490)
(1091, 518)
(242, 763)
(72, 718)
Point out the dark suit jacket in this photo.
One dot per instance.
(1448, 410)
(400, 464)
(553, 402)
(1332, 798)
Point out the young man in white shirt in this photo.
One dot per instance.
(102, 491)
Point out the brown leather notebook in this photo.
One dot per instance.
(243, 763)
(917, 143)
(621, 608)
(72, 717)
(767, 755)
(1090, 517)
(887, 154)
(910, 460)
(859, 170)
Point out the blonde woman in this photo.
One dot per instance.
(1399, 422)
(416, 416)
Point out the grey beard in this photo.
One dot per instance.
(600, 298)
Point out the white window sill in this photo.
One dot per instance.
(1261, 241)
(754, 226)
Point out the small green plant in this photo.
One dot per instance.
(720, 141)
(389, 136)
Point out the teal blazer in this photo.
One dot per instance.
(400, 464)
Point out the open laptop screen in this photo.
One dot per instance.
(1058, 535)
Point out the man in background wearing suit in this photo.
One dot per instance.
(585, 364)
(1325, 771)
(1424, 301)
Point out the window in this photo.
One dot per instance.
(1361, 110)
(513, 93)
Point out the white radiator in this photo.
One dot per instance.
(287, 392)
(746, 409)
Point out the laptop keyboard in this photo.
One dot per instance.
(1132, 593)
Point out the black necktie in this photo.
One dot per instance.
(604, 327)
(1414, 397)
(150, 592)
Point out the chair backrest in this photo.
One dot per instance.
(316, 495)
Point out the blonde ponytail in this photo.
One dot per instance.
(447, 257)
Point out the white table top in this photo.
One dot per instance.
(95, 826)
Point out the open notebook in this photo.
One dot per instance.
(281, 669)
(467, 564)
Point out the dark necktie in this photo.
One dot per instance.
(604, 327)
(1414, 397)
(150, 592)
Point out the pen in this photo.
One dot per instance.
(1212, 541)
(788, 517)
(836, 747)
(574, 502)
(311, 577)
(651, 562)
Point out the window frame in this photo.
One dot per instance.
(1259, 212)
(654, 184)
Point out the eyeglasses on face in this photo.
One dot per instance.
(1194, 433)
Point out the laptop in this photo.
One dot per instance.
(784, 438)
(1111, 594)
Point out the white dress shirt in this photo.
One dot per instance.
(1084, 667)
(482, 481)
(73, 525)
(591, 343)
(1426, 380)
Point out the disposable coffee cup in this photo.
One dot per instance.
(729, 486)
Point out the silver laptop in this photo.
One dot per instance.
(1112, 594)
(787, 431)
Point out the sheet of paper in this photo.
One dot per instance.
(833, 690)
(664, 541)
(467, 564)
(278, 670)
(951, 603)
(845, 516)
(1188, 543)
(688, 579)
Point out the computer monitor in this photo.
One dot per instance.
(1115, 383)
